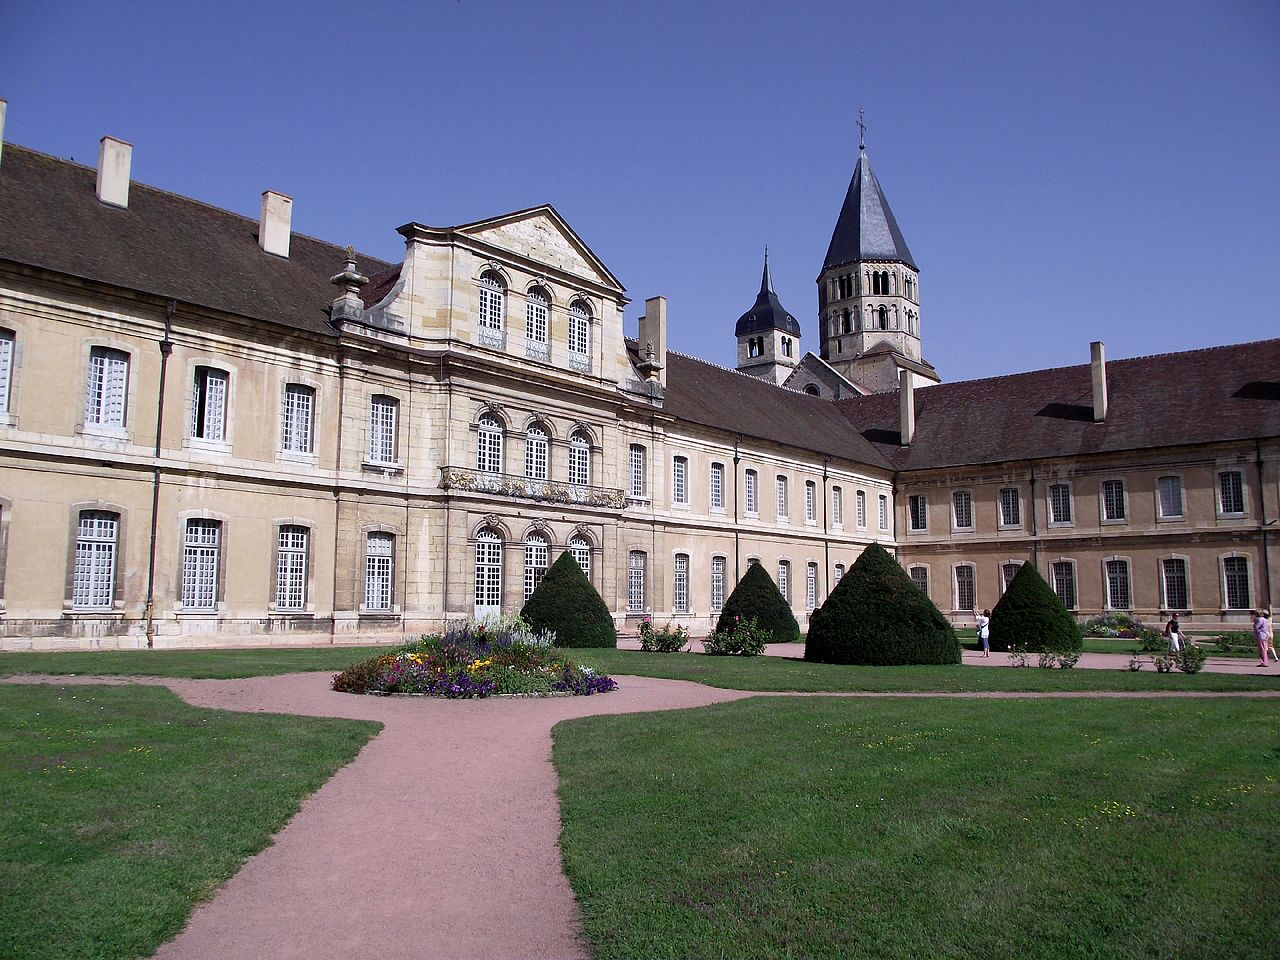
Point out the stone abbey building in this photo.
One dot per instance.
(214, 431)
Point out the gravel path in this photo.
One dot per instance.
(438, 841)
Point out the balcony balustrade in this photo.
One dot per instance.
(468, 480)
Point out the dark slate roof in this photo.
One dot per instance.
(1173, 399)
(866, 229)
(163, 244)
(768, 312)
(737, 403)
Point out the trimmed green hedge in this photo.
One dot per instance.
(1031, 614)
(877, 615)
(566, 602)
(756, 595)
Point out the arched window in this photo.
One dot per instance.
(857, 321)
(537, 308)
(579, 459)
(846, 325)
(882, 317)
(581, 551)
(812, 391)
(786, 346)
(492, 301)
(580, 336)
(489, 445)
(488, 573)
(536, 447)
(536, 558)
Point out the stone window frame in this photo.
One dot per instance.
(1181, 515)
(1102, 501)
(397, 552)
(311, 455)
(1224, 593)
(308, 607)
(1071, 504)
(681, 579)
(923, 500)
(680, 481)
(972, 525)
(1217, 493)
(219, 608)
(116, 610)
(395, 461)
(1161, 578)
(1075, 581)
(125, 430)
(1108, 600)
(956, 605)
(1001, 522)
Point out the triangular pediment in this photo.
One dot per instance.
(542, 235)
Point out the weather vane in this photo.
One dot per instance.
(862, 131)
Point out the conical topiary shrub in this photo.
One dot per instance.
(756, 595)
(566, 602)
(877, 615)
(1031, 614)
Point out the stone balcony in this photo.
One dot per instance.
(468, 480)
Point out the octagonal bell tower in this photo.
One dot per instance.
(768, 336)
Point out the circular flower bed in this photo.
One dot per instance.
(476, 658)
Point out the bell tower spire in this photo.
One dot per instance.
(768, 336)
(868, 290)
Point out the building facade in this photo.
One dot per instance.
(215, 431)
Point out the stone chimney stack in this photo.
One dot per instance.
(4, 104)
(653, 340)
(114, 159)
(275, 223)
(906, 407)
(1098, 362)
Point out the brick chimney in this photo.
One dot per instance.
(114, 159)
(275, 223)
(653, 340)
(1098, 363)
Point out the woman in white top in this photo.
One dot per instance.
(984, 632)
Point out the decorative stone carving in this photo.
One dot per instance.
(466, 480)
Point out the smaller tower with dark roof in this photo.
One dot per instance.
(768, 336)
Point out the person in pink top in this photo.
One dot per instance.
(1262, 634)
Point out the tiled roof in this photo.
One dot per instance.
(866, 229)
(163, 244)
(737, 403)
(1172, 399)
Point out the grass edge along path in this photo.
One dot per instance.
(122, 807)
(757, 674)
(832, 828)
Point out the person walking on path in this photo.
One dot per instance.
(984, 632)
(1173, 635)
(1271, 634)
(1262, 634)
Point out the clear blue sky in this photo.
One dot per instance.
(1062, 173)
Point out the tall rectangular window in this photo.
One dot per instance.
(1010, 507)
(965, 593)
(1170, 497)
(537, 556)
(810, 586)
(919, 508)
(837, 506)
(491, 298)
(1231, 493)
(1007, 572)
(489, 437)
(379, 553)
(1235, 581)
(200, 550)
(579, 460)
(535, 317)
(1113, 506)
(94, 577)
(291, 568)
(717, 486)
(537, 452)
(680, 480)
(488, 573)
(717, 583)
(1064, 582)
(1176, 593)
(810, 502)
(296, 427)
(1118, 594)
(635, 581)
(383, 413)
(781, 489)
(784, 580)
(107, 392)
(581, 550)
(579, 327)
(751, 492)
(860, 508)
(884, 512)
(209, 404)
(6, 368)
(837, 575)
(920, 577)
(1060, 503)
(962, 511)
(680, 584)
(635, 465)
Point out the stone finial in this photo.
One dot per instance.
(348, 306)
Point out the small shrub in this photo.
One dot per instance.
(1031, 614)
(756, 597)
(668, 639)
(1067, 659)
(1135, 664)
(1048, 660)
(1235, 640)
(877, 615)
(1190, 658)
(1018, 655)
(567, 604)
(744, 638)
(1151, 640)
(1163, 663)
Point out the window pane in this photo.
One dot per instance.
(107, 388)
(810, 501)
(782, 497)
(1235, 572)
(1059, 503)
(291, 568)
(489, 445)
(680, 585)
(860, 500)
(921, 577)
(535, 562)
(680, 480)
(579, 326)
(579, 460)
(1007, 572)
(717, 583)
(200, 565)
(536, 317)
(581, 551)
(751, 489)
(635, 581)
(1176, 595)
(488, 572)
(964, 588)
(837, 506)
(6, 367)
(93, 579)
(919, 512)
(884, 513)
(1010, 507)
(378, 551)
(1170, 496)
(536, 446)
(962, 502)
(1118, 597)
(837, 574)
(295, 430)
(717, 486)
(784, 579)
(636, 461)
(491, 302)
(1231, 492)
(1064, 583)
(811, 586)
(1113, 500)
(382, 429)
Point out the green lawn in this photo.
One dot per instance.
(121, 807)
(216, 664)
(779, 673)
(903, 829)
